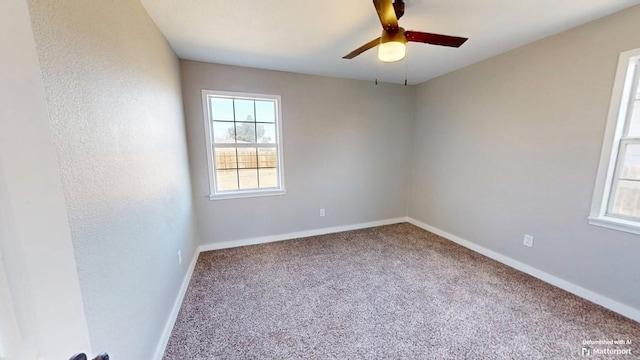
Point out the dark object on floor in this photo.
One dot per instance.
(82, 356)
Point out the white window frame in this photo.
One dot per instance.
(243, 193)
(614, 143)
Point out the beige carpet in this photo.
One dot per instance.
(391, 292)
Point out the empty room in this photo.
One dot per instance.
(361, 179)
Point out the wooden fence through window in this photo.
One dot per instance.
(246, 158)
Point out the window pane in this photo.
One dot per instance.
(227, 180)
(267, 133)
(226, 158)
(634, 122)
(221, 109)
(268, 178)
(631, 162)
(246, 133)
(247, 158)
(223, 132)
(266, 111)
(626, 194)
(248, 178)
(267, 158)
(626, 199)
(244, 110)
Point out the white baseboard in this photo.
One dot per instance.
(299, 234)
(171, 321)
(594, 297)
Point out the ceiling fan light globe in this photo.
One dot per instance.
(392, 51)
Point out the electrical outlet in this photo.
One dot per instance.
(528, 240)
(179, 257)
(321, 212)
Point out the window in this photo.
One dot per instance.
(616, 201)
(244, 144)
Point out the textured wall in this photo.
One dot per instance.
(41, 296)
(113, 92)
(511, 146)
(346, 148)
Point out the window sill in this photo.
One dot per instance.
(248, 194)
(628, 226)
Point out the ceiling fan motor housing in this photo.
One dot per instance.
(393, 36)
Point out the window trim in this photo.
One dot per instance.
(247, 193)
(627, 71)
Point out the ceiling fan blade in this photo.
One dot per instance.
(363, 48)
(387, 14)
(398, 7)
(435, 39)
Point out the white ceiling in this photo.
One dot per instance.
(311, 37)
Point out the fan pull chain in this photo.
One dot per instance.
(406, 65)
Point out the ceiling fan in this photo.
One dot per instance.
(394, 39)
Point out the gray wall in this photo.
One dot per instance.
(112, 89)
(346, 149)
(511, 146)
